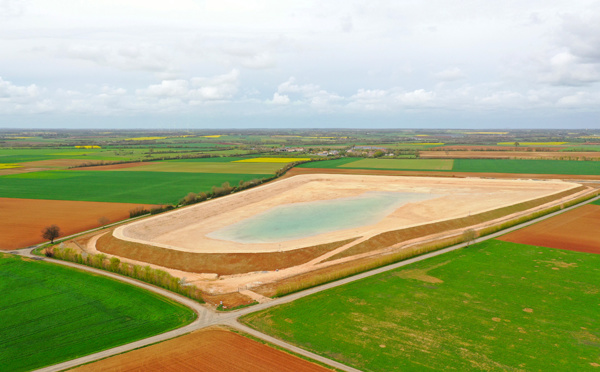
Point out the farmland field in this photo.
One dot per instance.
(425, 164)
(207, 167)
(114, 186)
(209, 350)
(575, 230)
(527, 166)
(51, 314)
(22, 220)
(518, 166)
(492, 306)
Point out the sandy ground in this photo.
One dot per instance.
(186, 229)
(211, 350)
(22, 220)
(241, 282)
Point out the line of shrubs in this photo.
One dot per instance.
(146, 274)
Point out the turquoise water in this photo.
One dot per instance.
(301, 220)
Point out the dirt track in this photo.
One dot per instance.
(209, 350)
(22, 220)
(576, 230)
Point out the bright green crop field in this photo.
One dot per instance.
(114, 186)
(494, 306)
(527, 166)
(409, 164)
(51, 314)
(207, 167)
(466, 165)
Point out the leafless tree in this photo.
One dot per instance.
(51, 232)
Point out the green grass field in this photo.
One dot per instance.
(527, 166)
(207, 167)
(51, 314)
(405, 164)
(519, 166)
(492, 306)
(114, 186)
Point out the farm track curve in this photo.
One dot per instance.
(207, 317)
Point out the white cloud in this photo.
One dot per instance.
(417, 97)
(195, 90)
(10, 90)
(279, 99)
(567, 69)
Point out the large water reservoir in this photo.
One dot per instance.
(301, 220)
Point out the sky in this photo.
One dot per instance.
(301, 64)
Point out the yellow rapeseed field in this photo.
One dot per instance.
(88, 147)
(271, 160)
(213, 136)
(533, 143)
(9, 166)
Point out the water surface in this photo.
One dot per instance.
(301, 220)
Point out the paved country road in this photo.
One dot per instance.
(208, 317)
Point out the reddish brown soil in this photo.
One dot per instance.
(208, 350)
(114, 166)
(219, 263)
(58, 163)
(575, 230)
(510, 155)
(22, 220)
(295, 171)
(230, 300)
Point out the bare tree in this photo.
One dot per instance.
(103, 221)
(51, 232)
(469, 236)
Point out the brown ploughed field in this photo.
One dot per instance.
(113, 166)
(575, 230)
(212, 349)
(22, 220)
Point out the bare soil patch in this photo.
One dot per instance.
(210, 350)
(114, 166)
(22, 220)
(219, 263)
(575, 230)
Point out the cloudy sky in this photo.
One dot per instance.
(251, 63)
